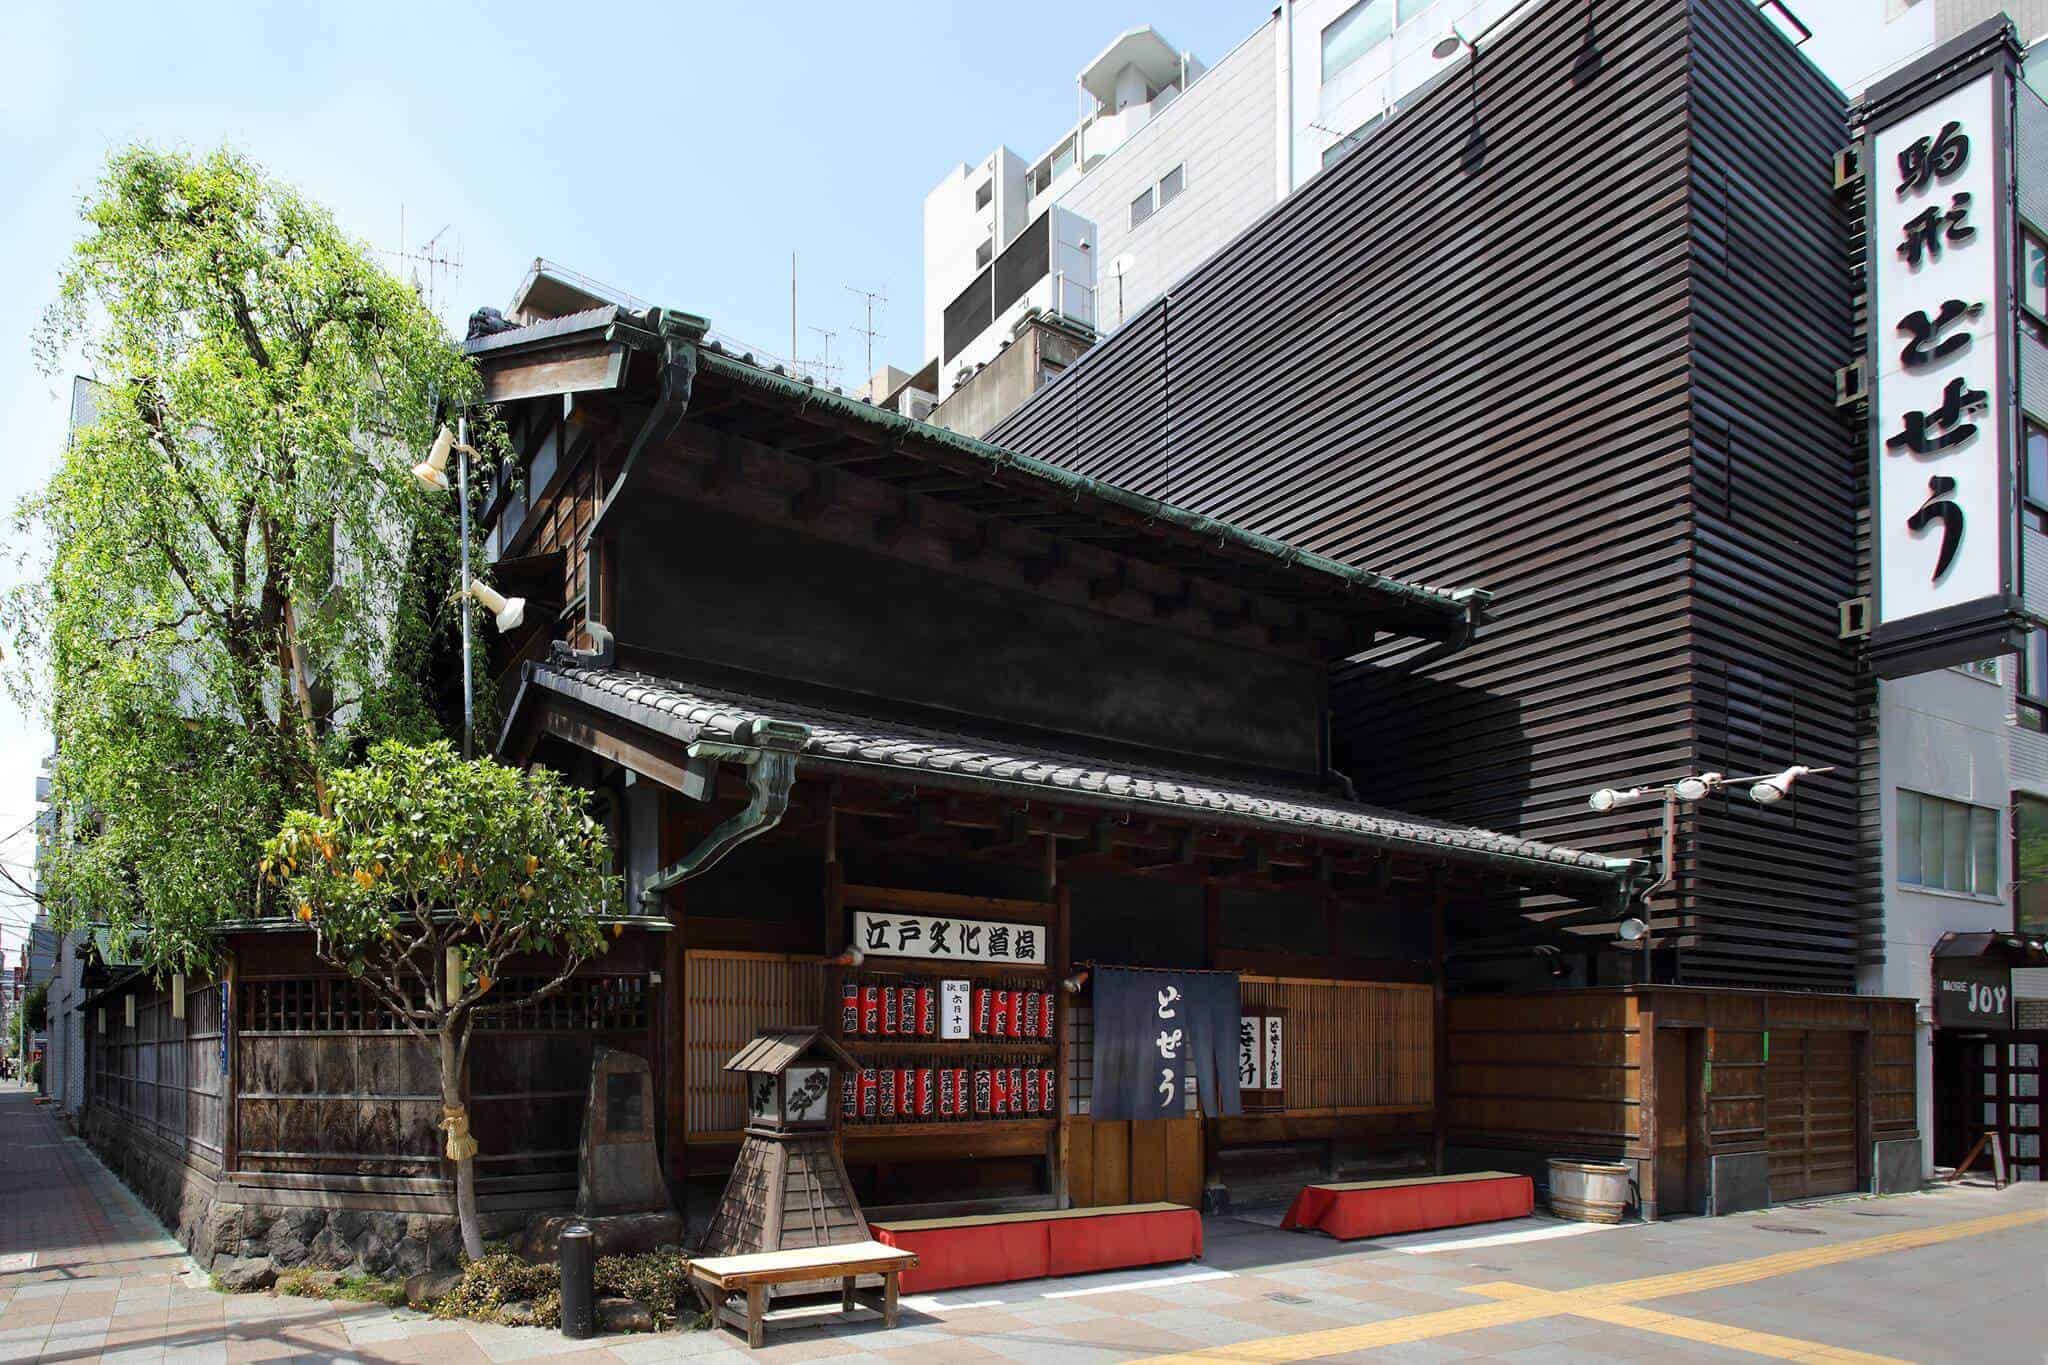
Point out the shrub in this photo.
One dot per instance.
(656, 1278)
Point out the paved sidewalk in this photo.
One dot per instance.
(1955, 1274)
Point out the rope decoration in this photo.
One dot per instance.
(461, 1146)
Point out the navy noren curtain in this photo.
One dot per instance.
(1151, 1027)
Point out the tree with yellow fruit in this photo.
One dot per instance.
(427, 877)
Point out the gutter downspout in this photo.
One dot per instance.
(680, 333)
(768, 750)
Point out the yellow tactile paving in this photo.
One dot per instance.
(1692, 1329)
(1610, 1303)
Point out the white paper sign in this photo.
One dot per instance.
(887, 934)
(1275, 1052)
(1248, 1069)
(953, 1019)
(1944, 466)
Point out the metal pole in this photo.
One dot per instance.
(462, 498)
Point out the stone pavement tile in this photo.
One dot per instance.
(448, 1346)
(666, 1346)
(916, 1355)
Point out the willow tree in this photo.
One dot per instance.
(225, 613)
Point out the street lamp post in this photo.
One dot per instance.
(508, 612)
(1764, 788)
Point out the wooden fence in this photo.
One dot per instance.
(728, 998)
(1351, 1045)
(163, 1075)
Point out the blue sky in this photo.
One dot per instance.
(678, 151)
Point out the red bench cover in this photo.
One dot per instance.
(1031, 1249)
(948, 1258)
(1119, 1240)
(1350, 1214)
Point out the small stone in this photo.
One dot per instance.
(244, 1274)
(624, 1315)
(518, 1313)
(422, 1289)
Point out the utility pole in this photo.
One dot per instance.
(871, 297)
(792, 315)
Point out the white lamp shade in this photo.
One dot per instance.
(1607, 798)
(1633, 929)
(509, 613)
(1447, 43)
(178, 995)
(433, 471)
(1777, 786)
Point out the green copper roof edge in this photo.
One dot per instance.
(1455, 606)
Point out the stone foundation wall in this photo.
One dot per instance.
(250, 1240)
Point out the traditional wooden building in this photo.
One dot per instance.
(857, 688)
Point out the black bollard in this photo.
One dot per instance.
(579, 1263)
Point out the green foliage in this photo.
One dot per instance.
(658, 1279)
(240, 500)
(37, 1003)
(426, 851)
(493, 1281)
(307, 1283)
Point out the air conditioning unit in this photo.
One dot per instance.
(918, 406)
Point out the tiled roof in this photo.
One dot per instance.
(689, 712)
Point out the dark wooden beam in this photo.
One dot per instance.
(813, 499)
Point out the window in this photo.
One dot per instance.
(1141, 207)
(1171, 184)
(984, 252)
(2030, 865)
(1947, 845)
(1987, 669)
(2034, 275)
(2030, 689)
(1357, 31)
(2034, 487)
(984, 194)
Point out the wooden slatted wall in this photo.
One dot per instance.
(1351, 1044)
(728, 998)
(1600, 444)
(163, 1075)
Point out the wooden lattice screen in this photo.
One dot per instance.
(728, 998)
(1351, 1044)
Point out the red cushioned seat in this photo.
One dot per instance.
(948, 1258)
(1119, 1240)
(997, 1248)
(1381, 1208)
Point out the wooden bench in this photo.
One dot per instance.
(716, 1280)
(998, 1248)
(1380, 1208)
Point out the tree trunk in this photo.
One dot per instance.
(465, 1166)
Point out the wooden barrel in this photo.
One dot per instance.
(1589, 1191)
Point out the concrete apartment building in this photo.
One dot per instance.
(1169, 160)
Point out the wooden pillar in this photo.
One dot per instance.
(1648, 1083)
(230, 1106)
(1062, 959)
(1440, 1046)
(649, 847)
(835, 935)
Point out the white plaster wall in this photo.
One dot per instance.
(954, 228)
(1221, 129)
(1941, 734)
(1321, 116)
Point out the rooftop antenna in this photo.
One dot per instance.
(825, 360)
(443, 265)
(872, 297)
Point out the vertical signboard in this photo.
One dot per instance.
(1942, 391)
